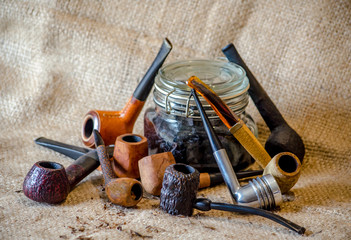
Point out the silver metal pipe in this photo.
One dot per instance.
(226, 169)
(262, 192)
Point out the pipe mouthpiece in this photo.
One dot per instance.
(167, 43)
(98, 139)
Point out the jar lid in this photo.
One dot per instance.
(227, 79)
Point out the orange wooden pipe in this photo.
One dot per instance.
(111, 124)
(129, 149)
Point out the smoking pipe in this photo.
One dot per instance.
(178, 197)
(49, 181)
(261, 192)
(285, 169)
(152, 169)
(111, 124)
(282, 138)
(126, 192)
(129, 149)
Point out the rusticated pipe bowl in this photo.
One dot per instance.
(46, 182)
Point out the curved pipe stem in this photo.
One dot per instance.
(206, 205)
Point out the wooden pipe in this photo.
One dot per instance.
(282, 138)
(179, 188)
(286, 169)
(246, 138)
(178, 197)
(152, 169)
(126, 192)
(129, 149)
(49, 181)
(111, 124)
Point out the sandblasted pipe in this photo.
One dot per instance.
(126, 192)
(282, 138)
(152, 169)
(178, 197)
(261, 192)
(50, 182)
(111, 124)
(288, 167)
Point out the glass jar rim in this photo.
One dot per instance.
(232, 70)
(227, 79)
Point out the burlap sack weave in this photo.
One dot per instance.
(59, 59)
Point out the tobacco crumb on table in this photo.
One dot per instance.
(151, 229)
(84, 238)
(209, 227)
(136, 234)
(73, 230)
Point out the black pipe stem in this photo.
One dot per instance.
(206, 205)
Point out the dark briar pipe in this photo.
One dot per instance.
(178, 197)
(126, 192)
(112, 124)
(282, 138)
(49, 181)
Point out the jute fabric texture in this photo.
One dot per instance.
(59, 59)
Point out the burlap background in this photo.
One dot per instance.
(58, 59)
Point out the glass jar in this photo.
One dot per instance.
(174, 124)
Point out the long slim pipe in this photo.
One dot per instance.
(219, 152)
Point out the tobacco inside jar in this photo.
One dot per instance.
(174, 124)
